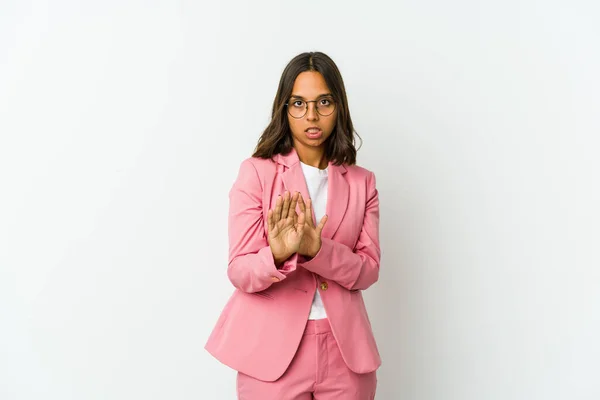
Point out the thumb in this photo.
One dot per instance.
(322, 224)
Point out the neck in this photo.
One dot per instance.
(313, 156)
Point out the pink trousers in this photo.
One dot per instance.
(316, 372)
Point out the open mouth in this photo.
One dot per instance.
(314, 133)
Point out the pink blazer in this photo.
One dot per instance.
(260, 327)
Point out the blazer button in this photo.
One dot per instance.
(324, 286)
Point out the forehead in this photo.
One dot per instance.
(310, 84)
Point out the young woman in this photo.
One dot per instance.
(303, 245)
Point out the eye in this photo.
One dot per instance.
(325, 102)
(298, 103)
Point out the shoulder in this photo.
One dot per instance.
(358, 170)
(362, 178)
(360, 173)
(253, 170)
(258, 163)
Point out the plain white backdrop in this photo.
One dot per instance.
(123, 124)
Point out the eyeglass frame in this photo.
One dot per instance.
(316, 107)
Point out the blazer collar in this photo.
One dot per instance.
(337, 189)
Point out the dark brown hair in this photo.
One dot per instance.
(277, 137)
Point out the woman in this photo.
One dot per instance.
(296, 327)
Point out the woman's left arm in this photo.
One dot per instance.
(358, 268)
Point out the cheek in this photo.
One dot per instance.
(333, 119)
(331, 124)
(293, 126)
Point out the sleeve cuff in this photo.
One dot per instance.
(288, 266)
(312, 264)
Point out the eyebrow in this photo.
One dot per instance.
(321, 95)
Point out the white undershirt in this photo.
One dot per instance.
(316, 181)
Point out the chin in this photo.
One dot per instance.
(315, 143)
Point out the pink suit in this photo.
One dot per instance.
(263, 323)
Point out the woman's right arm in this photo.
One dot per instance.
(251, 261)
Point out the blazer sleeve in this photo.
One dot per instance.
(251, 264)
(356, 268)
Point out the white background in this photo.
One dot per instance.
(123, 124)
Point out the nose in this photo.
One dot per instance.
(311, 113)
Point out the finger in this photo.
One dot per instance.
(290, 198)
(301, 222)
(301, 203)
(321, 225)
(309, 213)
(270, 220)
(304, 208)
(286, 205)
(273, 228)
(277, 212)
(294, 204)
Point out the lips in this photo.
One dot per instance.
(314, 133)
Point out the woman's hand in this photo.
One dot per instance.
(311, 241)
(286, 228)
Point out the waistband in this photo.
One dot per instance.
(317, 326)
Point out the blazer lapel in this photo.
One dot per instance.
(337, 189)
(294, 181)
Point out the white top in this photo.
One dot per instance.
(316, 181)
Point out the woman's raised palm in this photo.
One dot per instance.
(285, 229)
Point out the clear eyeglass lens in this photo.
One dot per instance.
(298, 108)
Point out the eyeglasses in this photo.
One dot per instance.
(297, 108)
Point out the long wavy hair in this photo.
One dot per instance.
(277, 137)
